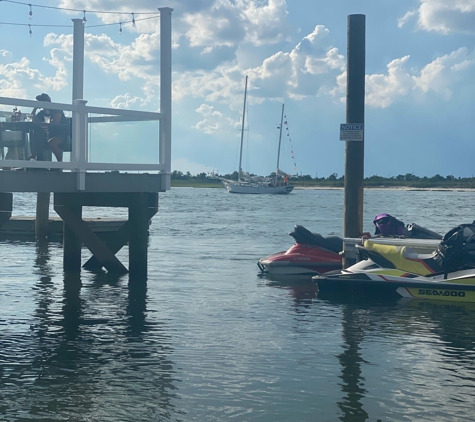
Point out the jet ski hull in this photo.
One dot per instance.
(301, 259)
(460, 288)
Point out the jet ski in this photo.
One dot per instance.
(391, 271)
(315, 254)
(311, 253)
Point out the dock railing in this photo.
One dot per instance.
(79, 159)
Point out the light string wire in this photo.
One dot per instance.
(96, 12)
(70, 26)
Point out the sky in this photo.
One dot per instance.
(419, 85)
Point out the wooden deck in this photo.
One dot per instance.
(51, 181)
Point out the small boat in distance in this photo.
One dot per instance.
(258, 185)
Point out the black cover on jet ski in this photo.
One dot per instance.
(457, 248)
(306, 237)
(415, 231)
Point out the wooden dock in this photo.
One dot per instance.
(82, 182)
(23, 228)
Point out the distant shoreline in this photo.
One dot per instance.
(404, 188)
(401, 188)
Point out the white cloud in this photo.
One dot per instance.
(5, 53)
(444, 16)
(133, 61)
(184, 165)
(406, 18)
(441, 76)
(381, 90)
(302, 72)
(126, 101)
(15, 76)
(229, 23)
(213, 121)
(445, 72)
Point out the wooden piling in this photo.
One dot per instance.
(138, 236)
(6, 206)
(354, 152)
(72, 244)
(42, 207)
(42, 215)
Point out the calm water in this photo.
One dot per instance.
(209, 340)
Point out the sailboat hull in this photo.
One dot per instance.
(256, 188)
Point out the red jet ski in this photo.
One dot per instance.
(315, 254)
(310, 254)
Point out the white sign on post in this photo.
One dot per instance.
(351, 131)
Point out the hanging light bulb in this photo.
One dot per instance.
(84, 20)
(133, 20)
(120, 28)
(31, 32)
(31, 13)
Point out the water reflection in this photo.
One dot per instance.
(428, 335)
(445, 334)
(301, 287)
(91, 351)
(351, 374)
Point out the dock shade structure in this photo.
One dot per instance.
(83, 181)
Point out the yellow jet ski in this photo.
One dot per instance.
(399, 271)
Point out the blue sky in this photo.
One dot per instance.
(420, 85)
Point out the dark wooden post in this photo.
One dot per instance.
(6, 206)
(72, 244)
(138, 236)
(42, 215)
(354, 153)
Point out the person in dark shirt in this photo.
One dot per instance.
(52, 138)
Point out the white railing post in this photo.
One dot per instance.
(166, 91)
(78, 70)
(79, 142)
(78, 60)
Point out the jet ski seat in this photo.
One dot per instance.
(305, 236)
(403, 258)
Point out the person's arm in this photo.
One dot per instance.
(33, 112)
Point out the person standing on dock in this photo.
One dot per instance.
(51, 137)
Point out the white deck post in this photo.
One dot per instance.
(80, 145)
(78, 72)
(166, 90)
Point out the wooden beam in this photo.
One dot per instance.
(90, 240)
(116, 241)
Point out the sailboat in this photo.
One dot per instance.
(256, 184)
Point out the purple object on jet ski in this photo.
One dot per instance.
(387, 225)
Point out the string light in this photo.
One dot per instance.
(31, 13)
(84, 20)
(31, 32)
(133, 20)
(69, 26)
(96, 12)
(120, 28)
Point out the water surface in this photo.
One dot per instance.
(207, 339)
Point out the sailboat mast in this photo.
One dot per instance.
(242, 131)
(280, 139)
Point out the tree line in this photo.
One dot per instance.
(334, 180)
